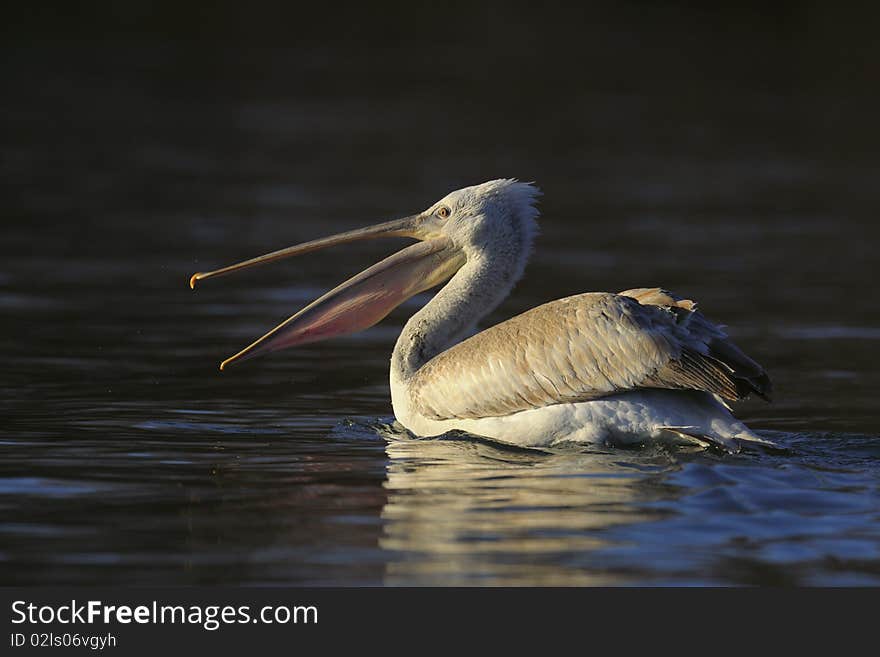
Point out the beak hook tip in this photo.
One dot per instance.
(193, 279)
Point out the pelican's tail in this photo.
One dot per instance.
(710, 422)
(729, 443)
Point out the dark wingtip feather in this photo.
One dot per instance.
(762, 386)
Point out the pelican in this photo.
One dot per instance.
(598, 367)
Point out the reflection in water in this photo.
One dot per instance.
(462, 512)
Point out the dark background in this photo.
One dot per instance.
(729, 154)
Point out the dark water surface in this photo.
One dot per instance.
(738, 167)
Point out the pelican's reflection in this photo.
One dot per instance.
(462, 512)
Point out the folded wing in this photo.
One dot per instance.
(581, 348)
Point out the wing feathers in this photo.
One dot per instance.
(581, 348)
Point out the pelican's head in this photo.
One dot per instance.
(496, 214)
(494, 219)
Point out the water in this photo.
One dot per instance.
(748, 184)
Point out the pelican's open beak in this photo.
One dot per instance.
(365, 299)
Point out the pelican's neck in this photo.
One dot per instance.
(475, 290)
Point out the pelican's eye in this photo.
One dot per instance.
(443, 212)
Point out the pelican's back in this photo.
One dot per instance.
(581, 348)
